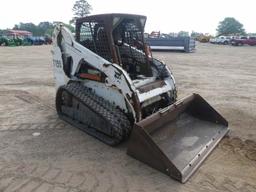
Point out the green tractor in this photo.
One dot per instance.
(18, 41)
(10, 41)
(4, 41)
(15, 41)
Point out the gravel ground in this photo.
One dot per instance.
(39, 152)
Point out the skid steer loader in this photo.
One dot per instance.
(110, 86)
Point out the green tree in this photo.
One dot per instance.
(183, 34)
(28, 27)
(230, 26)
(45, 28)
(81, 8)
(49, 32)
(42, 29)
(195, 34)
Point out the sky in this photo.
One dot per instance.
(162, 15)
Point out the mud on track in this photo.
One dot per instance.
(62, 158)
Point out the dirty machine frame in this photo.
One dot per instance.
(110, 86)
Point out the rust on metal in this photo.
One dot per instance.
(177, 139)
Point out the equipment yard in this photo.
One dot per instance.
(40, 152)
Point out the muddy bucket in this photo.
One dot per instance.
(177, 139)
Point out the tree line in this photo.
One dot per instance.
(42, 29)
(81, 8)
(228, 26)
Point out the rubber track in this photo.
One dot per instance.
(119, 124)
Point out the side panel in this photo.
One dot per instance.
(115, 97)
(116, 78)
(58, 73)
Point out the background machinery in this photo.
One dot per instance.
(203, 38)
(166, 42)
(109, 85)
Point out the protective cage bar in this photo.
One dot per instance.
(177, 139)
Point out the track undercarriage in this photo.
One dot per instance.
(79, 106)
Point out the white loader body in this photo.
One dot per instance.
(109, 85)
(117, 86)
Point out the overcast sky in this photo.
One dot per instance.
(164, 15)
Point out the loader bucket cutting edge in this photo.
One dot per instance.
(177, 139)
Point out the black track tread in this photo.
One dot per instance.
(120, 125)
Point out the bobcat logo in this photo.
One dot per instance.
(57, 63)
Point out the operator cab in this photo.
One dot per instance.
(118, 38)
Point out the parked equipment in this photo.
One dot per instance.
(110, 86)
(224, 40)
(204, 38)
(3, 41)
(34, 40)
(244, 41)
(10, 41)
(167, 42)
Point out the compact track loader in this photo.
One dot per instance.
(110, 86)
